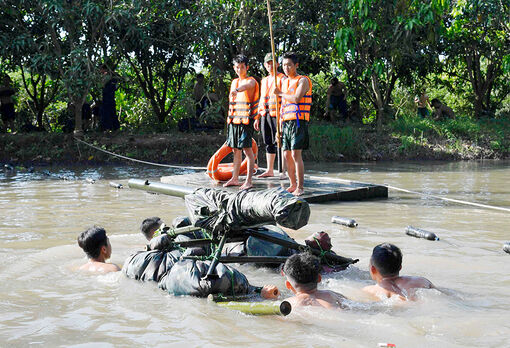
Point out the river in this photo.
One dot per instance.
(45, 302)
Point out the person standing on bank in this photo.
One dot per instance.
(7, 104)
(296, 94)
(422, 104)
(109, 117)
(243, 110)
(266, 122)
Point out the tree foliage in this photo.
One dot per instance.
(156, 39)
(381, 41)
(58, 46)
(477, 47)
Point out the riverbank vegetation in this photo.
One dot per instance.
(385, 52)
(407, 138)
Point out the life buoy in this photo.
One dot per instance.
(223, 171)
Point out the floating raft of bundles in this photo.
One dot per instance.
(225, 228)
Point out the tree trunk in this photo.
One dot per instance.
(40, 112)
(78, 105)
(379, 102)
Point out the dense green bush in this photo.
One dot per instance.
(329, 142)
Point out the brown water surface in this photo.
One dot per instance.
(44, 302)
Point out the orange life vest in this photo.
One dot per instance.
(243, 107)
(301, 110)
(267, 103)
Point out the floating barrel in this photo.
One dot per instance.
(419, 233)
(90, 180)
(506, 247)
(344, 221)
(259, 308)
(115, 184)
(157, 187)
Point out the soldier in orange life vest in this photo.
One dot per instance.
(243, 110)
(296, 96)
(266, 122)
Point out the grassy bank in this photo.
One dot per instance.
(413, 138)
(403, 139)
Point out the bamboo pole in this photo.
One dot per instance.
(259, 308)
(278, 130)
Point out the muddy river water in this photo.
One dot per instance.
(45, 302)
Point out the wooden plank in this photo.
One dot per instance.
(317, 189)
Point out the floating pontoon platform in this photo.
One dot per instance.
(317, 189)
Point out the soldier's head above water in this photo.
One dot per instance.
(303, 275)
(97, 247)
(150, 226)
(302, 271)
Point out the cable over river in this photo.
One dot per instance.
(45, 302)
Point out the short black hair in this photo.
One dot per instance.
(387, 259)
(303, 269)
(334, 81)
(148, 225)
(292, 56)
(92, 240)
(200, 75)
(241, 58)
(435, 101)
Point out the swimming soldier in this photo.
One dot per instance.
(96, 245)
(385, 265)
(303, 275)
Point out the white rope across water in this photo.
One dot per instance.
(486, 206)
(422, 194)
(137, 160)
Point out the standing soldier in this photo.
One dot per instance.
(296, 96)
(267, 114)
(243, 104)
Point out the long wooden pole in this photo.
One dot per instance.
(278, 140)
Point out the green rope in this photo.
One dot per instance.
(323, 253)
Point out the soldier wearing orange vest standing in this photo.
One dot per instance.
(243, 110)
(296, 93)
(266, 122)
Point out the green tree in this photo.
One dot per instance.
(22, 42)
(61, 36)
(477, 48)
(380, 41)
(156, 38)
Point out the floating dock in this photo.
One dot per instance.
(317, 189)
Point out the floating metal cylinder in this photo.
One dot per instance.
(115, 185)
(344, 221)
(419, 233)
(157, 187)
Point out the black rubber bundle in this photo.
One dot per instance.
(150, 265)
(219, 211)
(186, 278)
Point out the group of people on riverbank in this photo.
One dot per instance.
(439, 109)
(302, 271)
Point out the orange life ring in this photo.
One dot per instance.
(223, 171)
